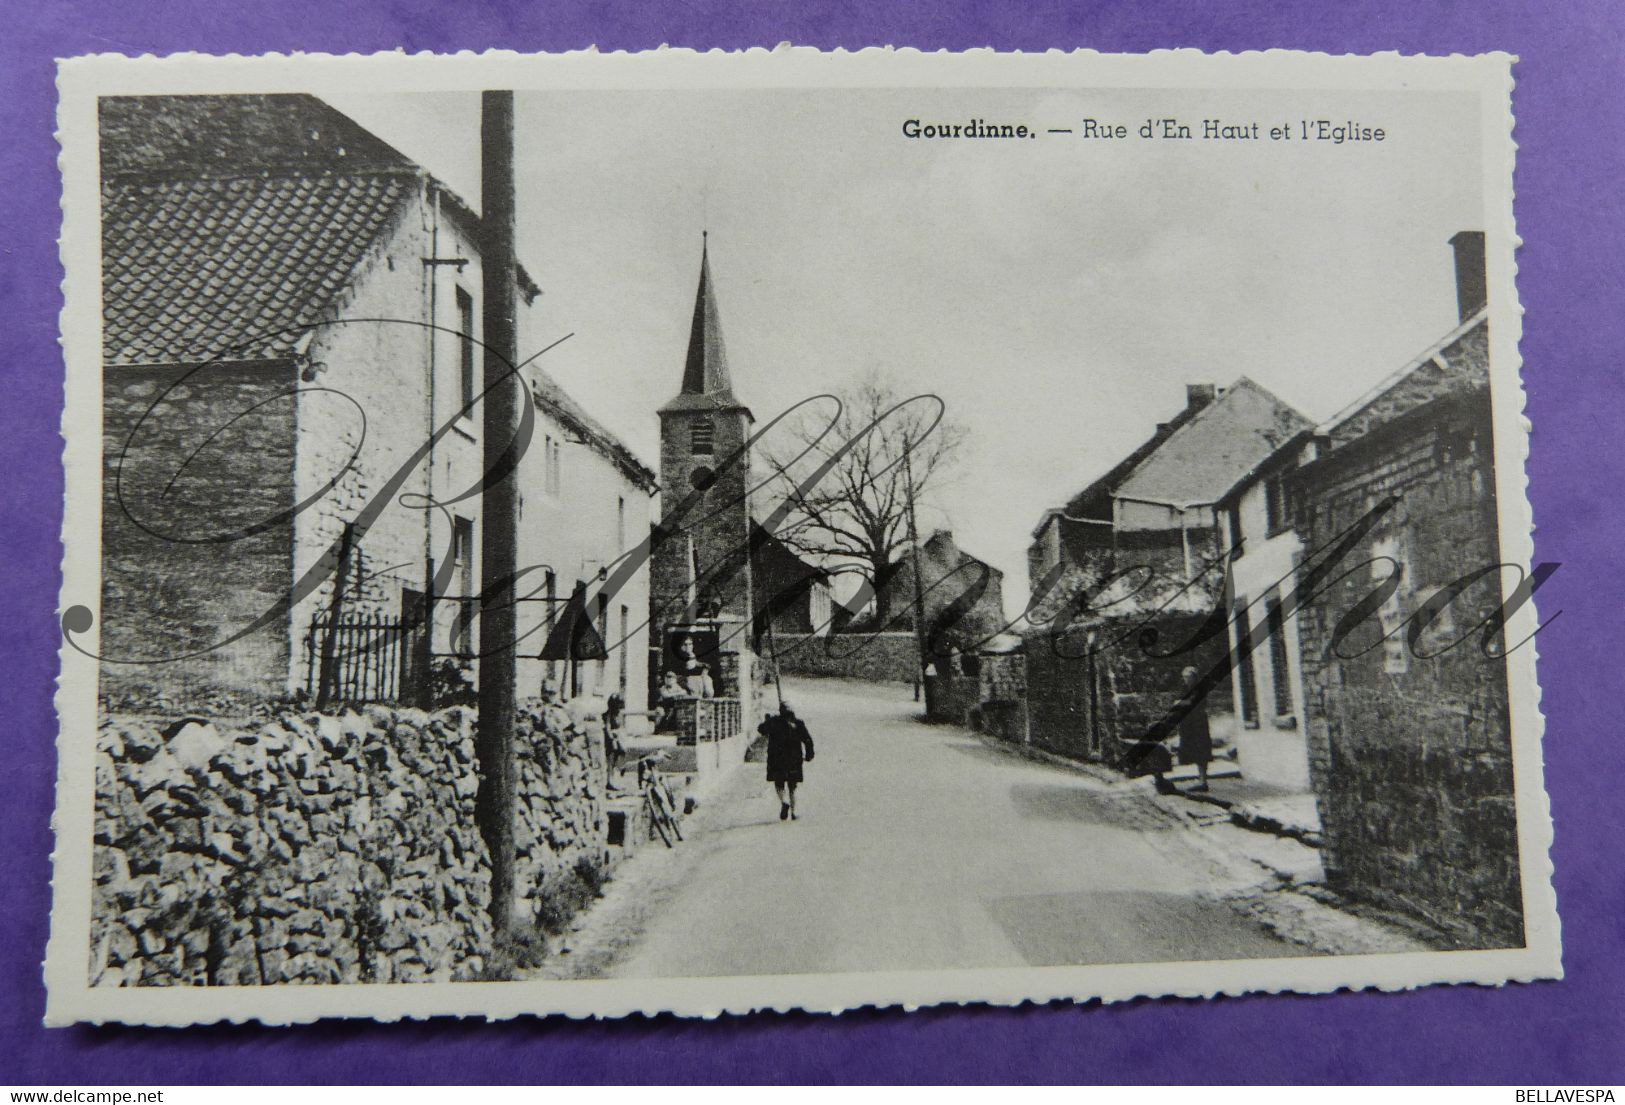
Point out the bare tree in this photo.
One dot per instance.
(855, 516)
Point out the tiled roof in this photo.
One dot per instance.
(944, 561)
(201, 267)
(1095, 501)
(237, 134)
(1202, 460)
(776, 564)
(228, 218)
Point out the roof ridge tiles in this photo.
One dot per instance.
(207, 175)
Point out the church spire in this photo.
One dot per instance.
(706, 383)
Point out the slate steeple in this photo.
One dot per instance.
(706, 383)
(700, 564)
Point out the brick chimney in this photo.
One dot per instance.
(1470, 275)
(1198, 396)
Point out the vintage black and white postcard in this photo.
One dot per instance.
(693, 532)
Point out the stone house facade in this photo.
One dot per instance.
(962, 597)
(292, 366)
(1408, 730)
(1176, 489)
(1143, 544)
(1152, 519)
(1080, 535)
(796, 596)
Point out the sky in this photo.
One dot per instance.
(1057, 293)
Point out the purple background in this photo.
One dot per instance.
(1570, 120)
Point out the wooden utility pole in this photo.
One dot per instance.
(919, 589)
(499, 513)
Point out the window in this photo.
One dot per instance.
(623, 645)
(1277, 515)
(462, 559)
(820, 610)
(465, 339)
(1280, 666)
(551, 461)
(620, 523)
(1233, 517)
(703, 438)
(1244, 657)
(1388, 559)
(603, 628)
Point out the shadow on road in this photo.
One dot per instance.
(980, 752)
(1129, 926)
(758, 823)
(1059, 802)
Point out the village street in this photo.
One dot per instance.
(394, 774)
(918, 847)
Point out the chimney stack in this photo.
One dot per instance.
(1198, 396)
(1471, 280)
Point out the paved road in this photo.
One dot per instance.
(921, 847)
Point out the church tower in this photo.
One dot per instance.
(700, 572)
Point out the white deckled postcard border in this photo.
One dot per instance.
(83, 80)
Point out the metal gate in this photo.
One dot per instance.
(361, 657)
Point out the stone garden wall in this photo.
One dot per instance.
(320, 848)
(1096, 689)
(874, 657)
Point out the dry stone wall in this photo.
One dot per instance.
(561, 829)
(319, 848)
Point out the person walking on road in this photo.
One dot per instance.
(1195, 738)
(788, 746)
